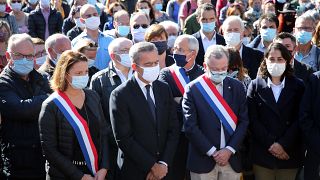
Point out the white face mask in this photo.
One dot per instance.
(232, 39)
(147, 11)
(41, 60)
(125, 60)
(92, 23)
(79, 23)
(150, 74)
(138, 34)
(171, 40)
(91, 62)
(246, 40)
(276, 69)
(2, 8)
(16, 6)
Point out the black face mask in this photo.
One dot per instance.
(161, 46)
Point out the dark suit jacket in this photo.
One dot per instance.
(166, 76)
(272, 121)
(302, 70)
(251, 59)
(142, 140)
(309, 122)
(203, 127)
(200, 56)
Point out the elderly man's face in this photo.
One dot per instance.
(23, 49)
(123, 20)
(140, 20)
(147, 59)
(172, 31)
(60, 46)
(123, 48)
(218, 65)
(182, 47)
(304, 25)
(233, 27)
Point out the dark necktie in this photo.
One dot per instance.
(150, 102)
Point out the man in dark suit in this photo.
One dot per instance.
(301, 70)
(233, 30)
(185, 51)
(143, 118)
(310, 125)
(105, 81)
(215, 134)
(207, 35)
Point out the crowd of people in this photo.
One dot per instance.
(159, 89)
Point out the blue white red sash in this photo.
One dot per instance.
(180, 77)
(80, 128)
(217, 103)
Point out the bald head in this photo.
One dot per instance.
(139, 18)
(88, 8)
(57, 44)
(119, 44)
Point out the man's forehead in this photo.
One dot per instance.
(139, 18)
(90, 10)
(23, 47)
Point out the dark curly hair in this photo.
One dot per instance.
(263, 72)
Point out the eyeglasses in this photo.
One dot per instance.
(309, 29)
(137, 26)
(21, 56)
(13, 1)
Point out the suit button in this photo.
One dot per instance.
(288, 123)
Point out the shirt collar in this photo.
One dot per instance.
(270, 83)
(118, 71)
(142, 85)
(203, 37)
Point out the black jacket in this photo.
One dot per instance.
(74, 32)
(67, 25)
(309, 122)
(47, 68)
(57, 137)
(251, 59)
(272, 121)
(200, 56)
(37, 24)
(143, 140)
(302, 71)
(20, 103)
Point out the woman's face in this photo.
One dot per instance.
(4, 35)
(159, 38)
(275, 56)
(78, 69)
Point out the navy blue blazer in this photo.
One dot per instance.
(309, 122)
(272, 121)
(200, 56)
(251, 59)
(203, 127)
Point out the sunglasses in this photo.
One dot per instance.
(15, 1)
(137, 26)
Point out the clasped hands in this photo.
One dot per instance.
(222, 156)
(101, 174)
(277, 150)
(158, 171)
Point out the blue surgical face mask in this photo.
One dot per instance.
(91, 63)
(303, 37)
(268, 34)
(234, 74)
(79, 82)
(181, 60)
(208, 27)
(158, 6)
(218, 77)
(123, 31)
(23, 66)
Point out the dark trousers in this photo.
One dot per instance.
(178, 171)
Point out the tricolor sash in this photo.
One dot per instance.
(221, 108)
(80, 128)
(180, 77)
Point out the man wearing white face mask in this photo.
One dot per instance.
(143, 118)
(233, 30)
(215, 131)
(90, 17)
(207, 36)
(44, 21)
(105, 81)
(55, 45)
(139, 23)
(306, 52)
(268, 24)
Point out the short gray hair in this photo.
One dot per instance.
(115, 44)
(140, 47)
(306, 17)
(232, 19)
(52, 40)
(18, 38)
(192, 41)
(167, 24)
(216, 51)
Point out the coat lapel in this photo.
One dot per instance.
(286, 93)
(267, 96)
(141, 99)
(227, 91)
(158, 102)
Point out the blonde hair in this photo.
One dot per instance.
(65, 63)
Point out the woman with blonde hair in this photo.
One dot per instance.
(72, 124)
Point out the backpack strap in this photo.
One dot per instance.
(256, 44)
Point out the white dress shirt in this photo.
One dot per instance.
(222, 136)
(206, 42)
(122, 76)
(276, 89)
